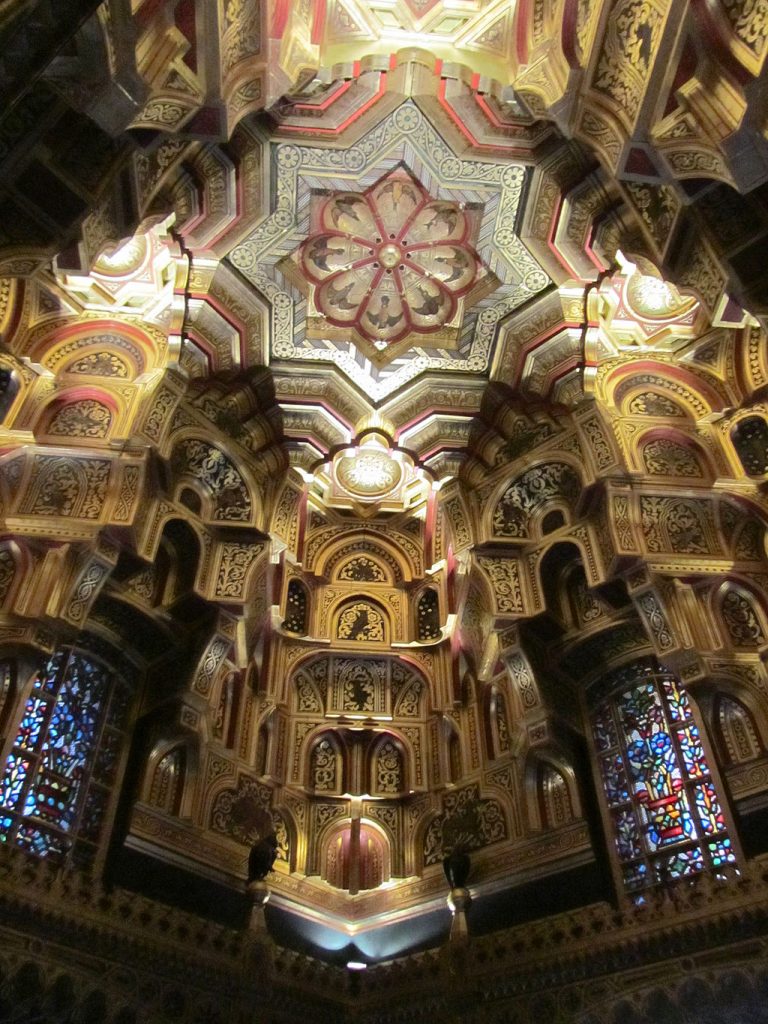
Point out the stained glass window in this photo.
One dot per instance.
(55, 785)
(666, 817)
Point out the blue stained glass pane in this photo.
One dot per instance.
(61, 729)
(627, 834)
(679, 708)
(41, 841)
(5, 827)
(653, 766)
(635, 876)
(32, 723)
(15, 773)
(660, 775)
(708, 809)
(48, 680)
(691, 749)
(721, 852)
(615, 780)
(685, 862)
(53, 799)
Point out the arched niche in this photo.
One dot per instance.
(453, 760)
(9, 390)
(101, 348)
(14, 563)
(654, 400)
(672, 455)
(203, 468)
(328, 555)
(226, 710)
(496, 722)
(264, 735)
(84, 416)
(749, 437)
(741, 616)
(551, 792)
(519, 509)
(178, 561)
(166, 777)
(736, 730)
(365, 567)
(428, 616)
(564, 585)
(388, 767)
(355, 856)
(361, 620)
(636, 388)
(297, 608)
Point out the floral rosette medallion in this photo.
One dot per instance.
(391, 262)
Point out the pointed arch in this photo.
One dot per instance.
(741, 616)
(553, 798)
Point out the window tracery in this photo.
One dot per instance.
(665, 816)
(57, 778)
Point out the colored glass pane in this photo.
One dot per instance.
(710, 815)
(35, 712)
(615, 780)
(627, 834)
(684, 862)
(677, 702)
(656, 779)
(691, 749)
(15, 772)
(47, 785)
(667, 821)
(721, 852)
(635, 875)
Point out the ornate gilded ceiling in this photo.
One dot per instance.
(390, 306)
(352, 338)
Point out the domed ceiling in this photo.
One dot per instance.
(390, 258)
(388, 330)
